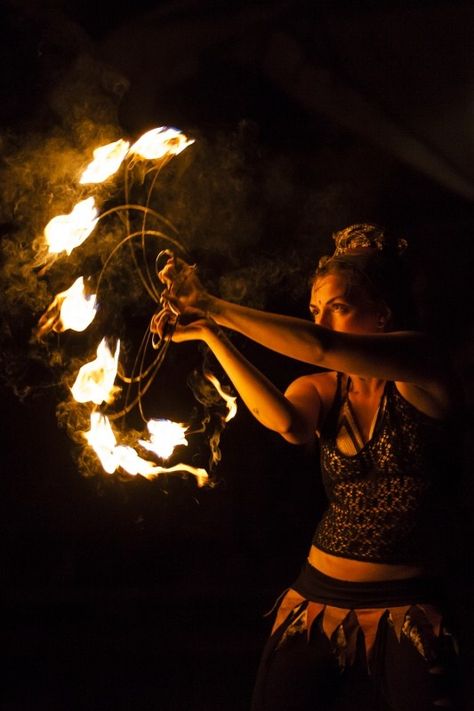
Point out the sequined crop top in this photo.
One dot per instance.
(381, 499)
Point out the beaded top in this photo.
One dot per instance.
(380, 498)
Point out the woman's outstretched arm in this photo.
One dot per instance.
(404, 356)
(398, 355)
(295, 417)
(407, 357)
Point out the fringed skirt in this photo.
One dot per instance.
(343, 645)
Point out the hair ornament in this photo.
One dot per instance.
(364, 236)
(365, 240)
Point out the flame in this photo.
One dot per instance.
(128, 459)
(201, 475)
(102, 439)
(72, 309)
(230, 401)
(69, 309)
(112, 456)
(77, 309)
(160, 142)
(107, 160)
(66, 232)
(165, 435)
(95, 380)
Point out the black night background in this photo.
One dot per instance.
(307, 116)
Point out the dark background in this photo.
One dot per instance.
(138, 594)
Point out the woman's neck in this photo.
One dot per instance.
(365, 386)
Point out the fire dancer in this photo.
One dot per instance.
(361, 627)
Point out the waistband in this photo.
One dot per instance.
(315, 586)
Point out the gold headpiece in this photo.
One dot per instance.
(362, 243)
(363, 236)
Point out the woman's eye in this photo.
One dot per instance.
(340, 308)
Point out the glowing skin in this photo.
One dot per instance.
(331, 308)
(350, 335)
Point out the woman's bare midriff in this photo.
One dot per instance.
(357, 571)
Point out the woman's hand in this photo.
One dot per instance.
(193, 327)
(183, 288)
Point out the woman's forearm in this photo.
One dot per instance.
(290, 336)
(399, 356)
(268, 405)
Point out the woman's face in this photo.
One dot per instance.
(331, 308)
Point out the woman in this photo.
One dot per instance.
(360, 628)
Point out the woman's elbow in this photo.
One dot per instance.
(302, 434)
(292, 438)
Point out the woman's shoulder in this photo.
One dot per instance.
(436, 403)
(325, 383)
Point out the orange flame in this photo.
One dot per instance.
(77, 309)
(69, 309)
(102, 439)
(202, 477)
(230, 401)
(66, 232)
(112, 456)
(160, 142)
(165, 435)
(107, 160)
(95, 380)
(128, 459)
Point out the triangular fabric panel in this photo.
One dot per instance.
(291, 600)
(369, 621)
(433, 616)
(314, 610)
(333, 617)
(397, 616)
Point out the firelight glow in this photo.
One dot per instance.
(107, 160)
(165, 435)
(77, 310)
(70, 309)
(102, 440)
(128, 459)
(230, 401)
(66, 232)
(95, 380)
(160, 142)
(74, 309)
(113, 456)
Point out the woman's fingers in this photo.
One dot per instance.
(168, 273)
(193, 327)
(170, 302)
(180, 280)
(191, 331)
(161, 320)
(173, 269)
